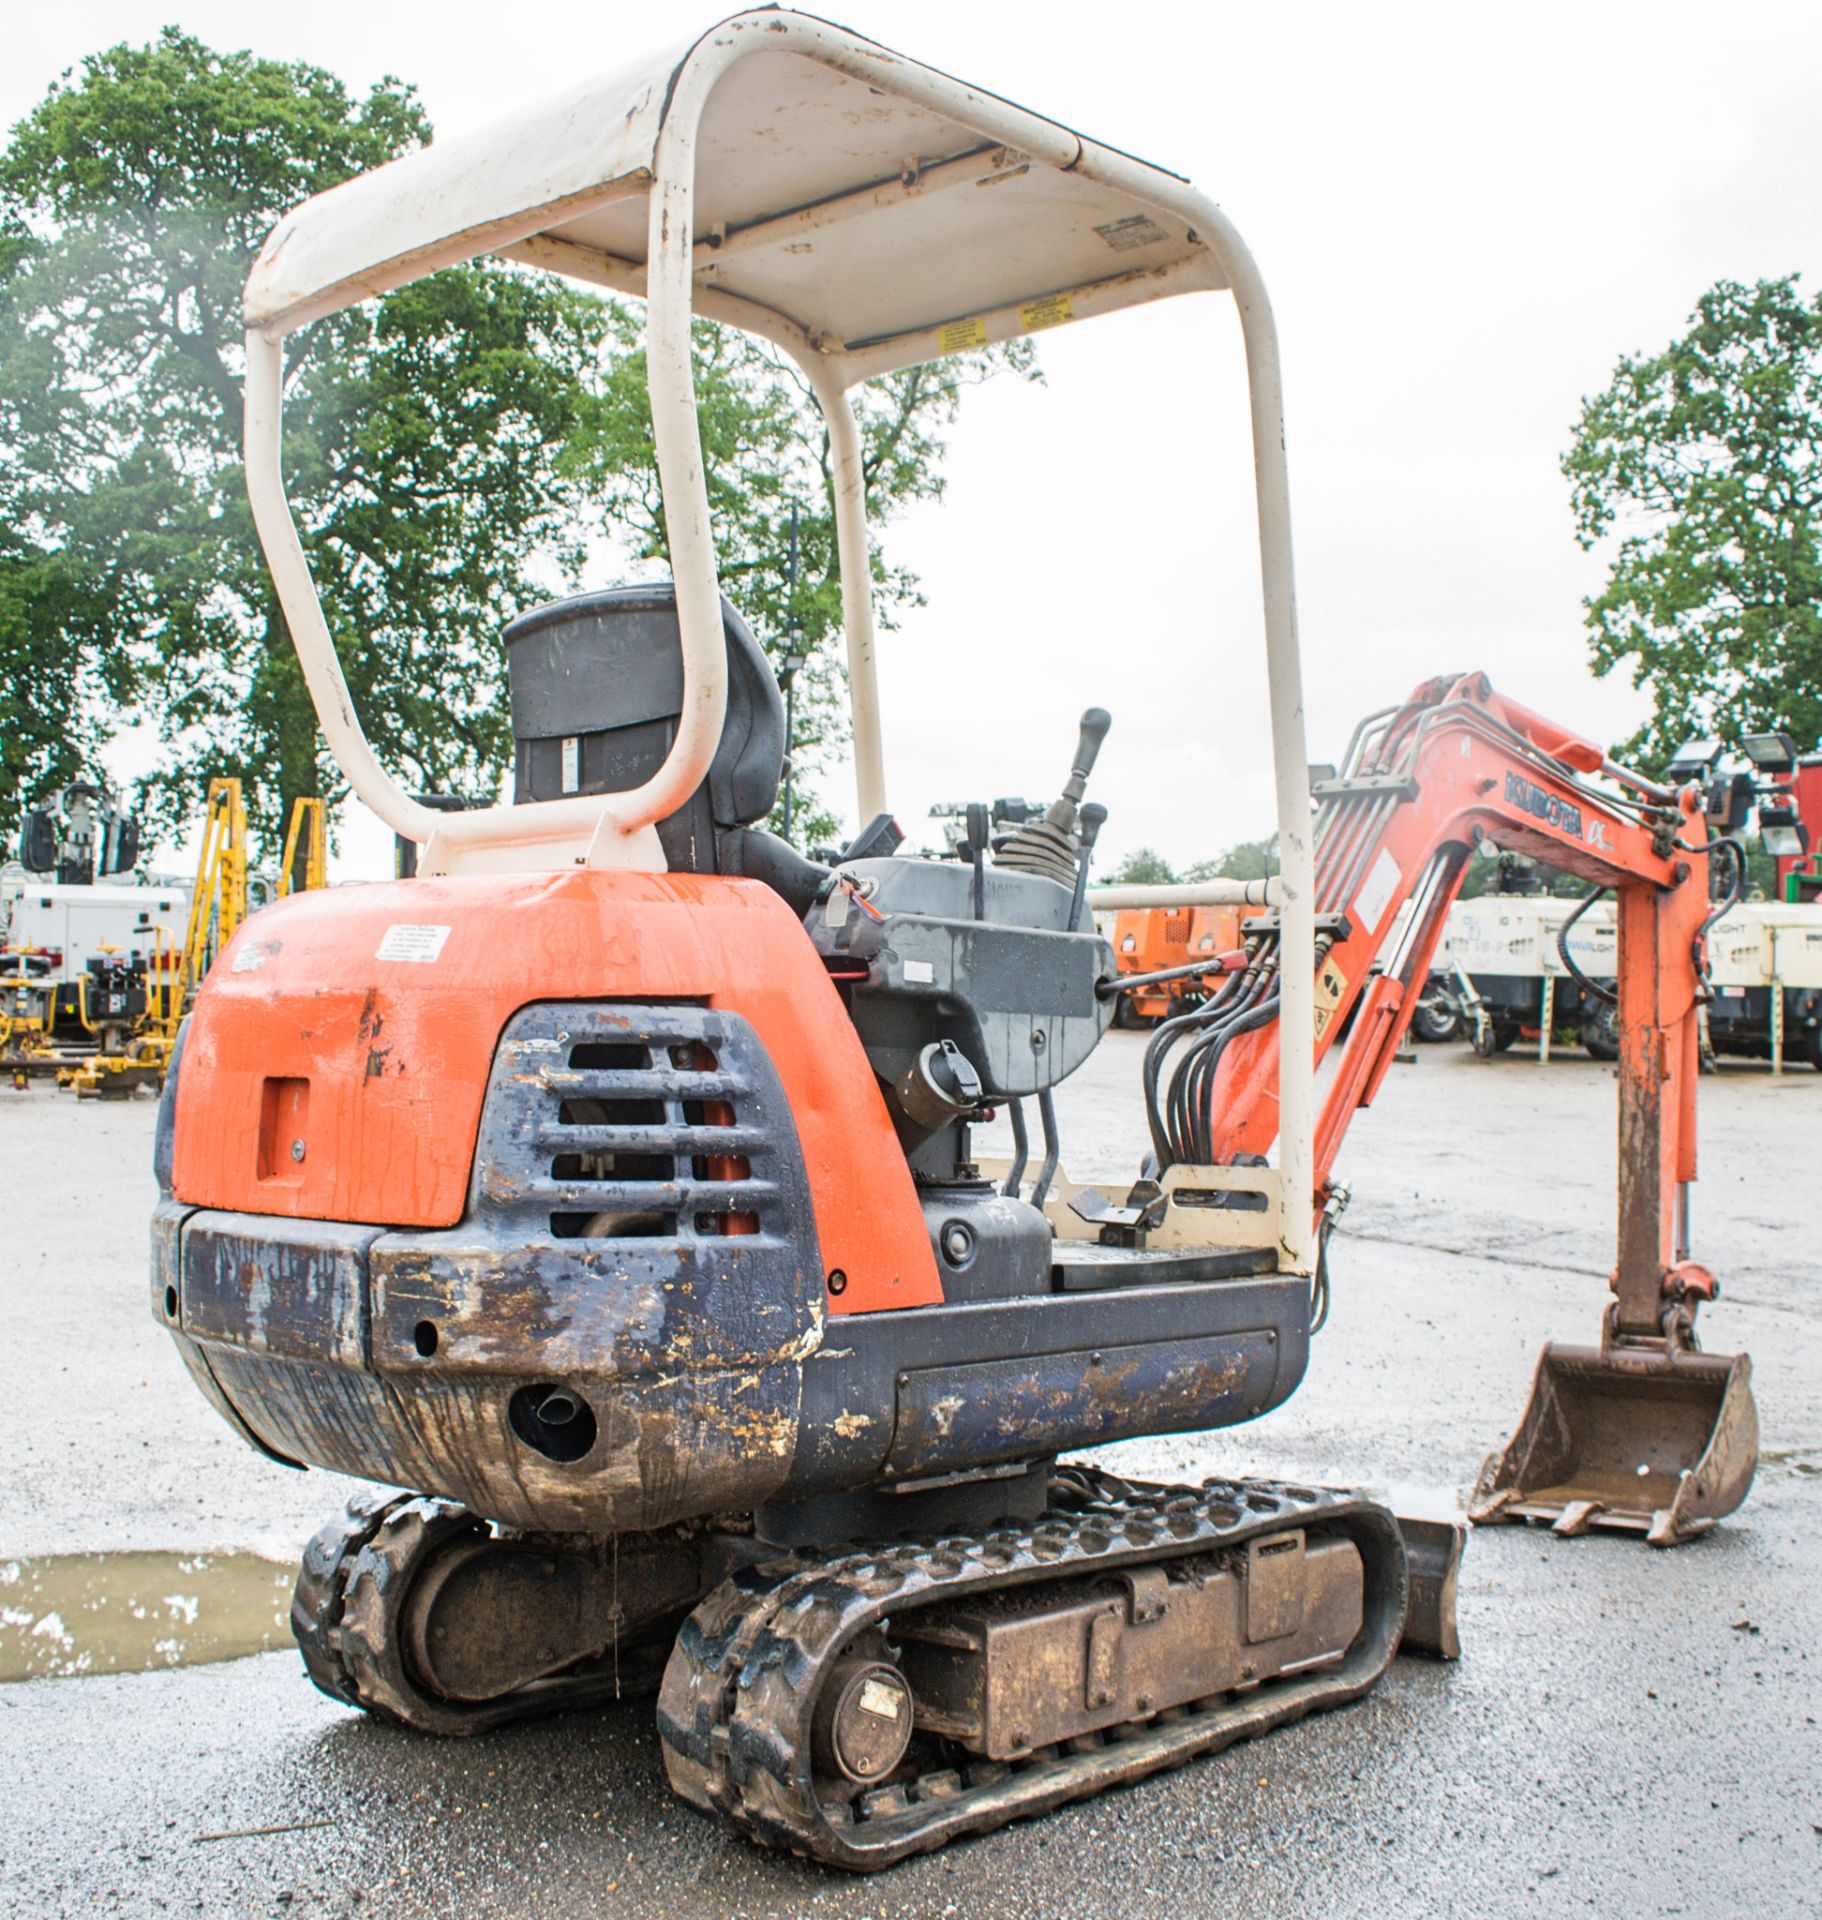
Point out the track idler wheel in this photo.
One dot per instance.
(374, 1643)
(414, 1610)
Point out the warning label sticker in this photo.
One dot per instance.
(404, 942)
(1051, 311)
(1331, 984)
(959, 335)
(1135, 231)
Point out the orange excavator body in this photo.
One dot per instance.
(618, 1194)
(345, 1041)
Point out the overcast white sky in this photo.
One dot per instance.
(1465, 215)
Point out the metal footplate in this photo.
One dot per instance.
(884, 1702)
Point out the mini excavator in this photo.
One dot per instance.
(611, 1185)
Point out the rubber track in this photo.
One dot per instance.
(346, 1611)
(316, 1601)
(739, 1693)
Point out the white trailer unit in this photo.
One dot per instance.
(79, 924)
(1764, 959)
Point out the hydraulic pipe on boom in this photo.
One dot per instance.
(1642, 1432)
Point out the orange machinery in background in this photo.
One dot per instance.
(1155, 939)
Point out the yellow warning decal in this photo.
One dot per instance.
(1051, 311)
(1331, 984)
(959, 335)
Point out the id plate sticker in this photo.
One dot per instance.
(406, 942)
(957, 336)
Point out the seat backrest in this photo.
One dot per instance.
(597, 688)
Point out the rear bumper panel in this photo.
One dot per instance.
(616, 1141)
(901, 1397)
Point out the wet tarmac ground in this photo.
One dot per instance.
(1628, 1733)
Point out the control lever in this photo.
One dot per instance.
(1048, 846)
(979, 825)
(1062, 812)
(1093, 818)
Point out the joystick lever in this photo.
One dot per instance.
(1095, 723)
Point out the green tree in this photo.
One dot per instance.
(424, 432)
(1705, 461)
(1246, 860)
(49, 731)
(441, 448)
(1144, 867)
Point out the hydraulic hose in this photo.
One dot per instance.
(1729, 900)
(1223, 1002)
(1182, 1125)
(1736, 853)
(1562, 949)
(1319, 1281)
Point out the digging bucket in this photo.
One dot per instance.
(1647, 1439)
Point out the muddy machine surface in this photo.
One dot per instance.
(610, 1183)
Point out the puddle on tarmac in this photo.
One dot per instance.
(79, 1613)
(1792, 1460)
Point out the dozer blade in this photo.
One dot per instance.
(1432, 1556)
(1644, 1439)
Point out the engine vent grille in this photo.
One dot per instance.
(637, 1123)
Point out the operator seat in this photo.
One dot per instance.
(597, 690)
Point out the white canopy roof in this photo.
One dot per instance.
(888, 211)
(864, 213)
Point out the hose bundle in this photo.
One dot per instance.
(1181, 1119)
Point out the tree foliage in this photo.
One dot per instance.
(1704, 461)
(421, 451)
(1143, 867)
(454, 452)
(49, 729)
(1245, 860)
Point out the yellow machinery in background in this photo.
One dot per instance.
(25, 1020)
(218, 905)
(306, 847)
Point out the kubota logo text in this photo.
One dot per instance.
(1563, 815)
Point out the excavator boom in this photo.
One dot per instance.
(1643, 1432)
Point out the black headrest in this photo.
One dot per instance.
(610, 661)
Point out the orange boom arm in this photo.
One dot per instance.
(1424, 784)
